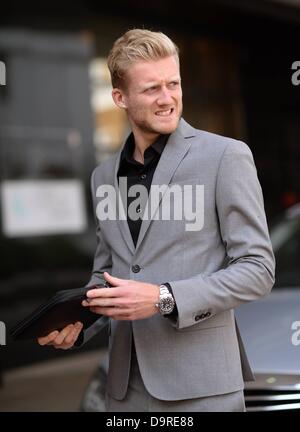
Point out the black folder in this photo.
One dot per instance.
(60, 310)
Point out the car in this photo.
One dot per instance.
(270, 328)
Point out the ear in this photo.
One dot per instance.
(119, 98)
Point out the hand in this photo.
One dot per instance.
(125, 300)
(63, 339)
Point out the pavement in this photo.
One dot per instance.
(52, 386)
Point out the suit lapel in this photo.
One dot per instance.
(177, 146)
(122, 222)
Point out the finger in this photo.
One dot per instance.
(63, 346)
(73, 335)
(98, 310)
(103, 292)
(44, 340)
(109, 311)
(78, 332)
(105, 302)
(113, 280)
(63, 334)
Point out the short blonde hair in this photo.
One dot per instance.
(138, 45)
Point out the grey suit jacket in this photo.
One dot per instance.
(211, 271)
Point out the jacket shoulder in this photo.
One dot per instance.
(219, 144)
(104, 172)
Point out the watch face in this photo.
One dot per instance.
(167, 304)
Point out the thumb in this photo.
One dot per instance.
(114, 281)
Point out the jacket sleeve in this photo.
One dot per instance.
(244, 233)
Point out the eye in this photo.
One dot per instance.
(151, 89)
(174, 84)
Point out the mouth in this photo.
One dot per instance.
(165, 113)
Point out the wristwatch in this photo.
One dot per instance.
(166, 301)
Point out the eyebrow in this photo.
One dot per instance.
(157, 83)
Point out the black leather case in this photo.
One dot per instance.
(60, 310)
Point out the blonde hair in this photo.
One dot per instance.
(138, 45)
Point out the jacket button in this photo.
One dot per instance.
(200, 317)
(136, 268)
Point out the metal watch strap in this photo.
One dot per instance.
(162, 306)
(164, 290)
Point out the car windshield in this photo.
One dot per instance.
(285, 236)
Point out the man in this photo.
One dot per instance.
(173, 344)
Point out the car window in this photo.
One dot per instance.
(285, 237)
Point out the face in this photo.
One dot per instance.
(152, 98)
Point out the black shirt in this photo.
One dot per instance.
(138, 173)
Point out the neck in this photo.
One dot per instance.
(141, 144)
(138, 154)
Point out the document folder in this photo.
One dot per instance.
(60, 310)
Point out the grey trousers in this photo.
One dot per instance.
(138, 399)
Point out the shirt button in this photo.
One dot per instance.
(143, 176)
(136, 268)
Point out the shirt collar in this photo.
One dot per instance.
(156, 148)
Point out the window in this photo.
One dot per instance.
(286, 242)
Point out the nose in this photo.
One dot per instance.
(165, 97)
